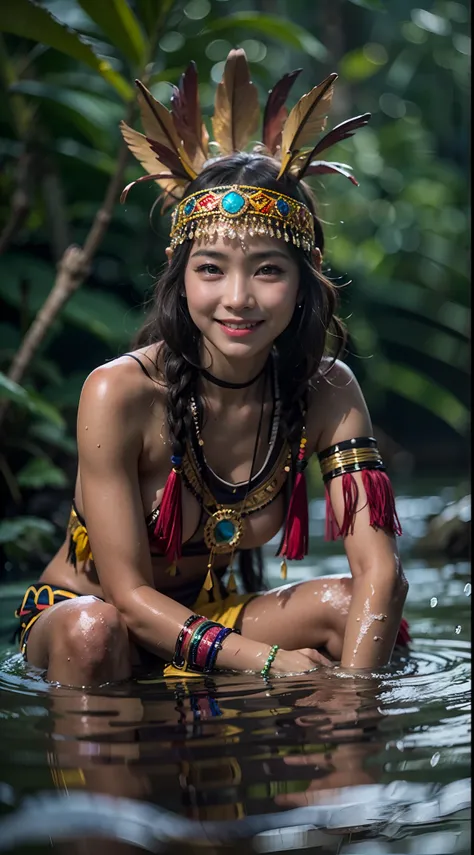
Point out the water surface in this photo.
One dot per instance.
(327, 762)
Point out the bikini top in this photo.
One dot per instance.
(265, 486)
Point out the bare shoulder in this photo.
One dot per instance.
(337, 408)
(122, 388)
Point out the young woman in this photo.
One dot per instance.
(192, 448)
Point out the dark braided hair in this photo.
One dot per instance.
(301, 347)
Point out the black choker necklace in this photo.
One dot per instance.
(227, 385)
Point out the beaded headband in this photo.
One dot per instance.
(237, 210)
(176, 148)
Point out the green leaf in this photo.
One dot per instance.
(93, 116)
(117, 21)
(30, 21)
(422, 390)
(280, 29)
(24, 528)
(356, 65)
(53, 435)
(147, 13)
(31, 401)
(41, 473)
(104, 315)
(373, 5)
(425, 339)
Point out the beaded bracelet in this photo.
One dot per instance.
(268, 664)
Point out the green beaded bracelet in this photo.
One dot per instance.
(268, 664)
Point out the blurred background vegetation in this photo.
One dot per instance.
(400, 239)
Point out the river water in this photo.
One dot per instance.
(328, 762)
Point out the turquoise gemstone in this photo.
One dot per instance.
(224, 531)
(189, 207)
(233, 202)
(283, 207)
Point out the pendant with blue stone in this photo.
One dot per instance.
(223, 530)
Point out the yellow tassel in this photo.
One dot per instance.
(231, 584)
(209, 581)
(172, 570)
(283, 569)
(81, 539)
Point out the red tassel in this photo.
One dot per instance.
(403, 637)
(350, 492)
(295, 543)
(167, 536)
(381, 500)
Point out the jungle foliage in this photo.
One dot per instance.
(400, 239)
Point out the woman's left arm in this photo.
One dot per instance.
(339, 412)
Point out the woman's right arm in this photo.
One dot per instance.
(115, 405)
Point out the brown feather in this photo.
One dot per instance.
(159, 126)
(320, 167)
(236, 107)
(159, 175)
(169, 158)
(306, 120)
(340, 132)
(275, 112)
(141, 149)
(187, 117)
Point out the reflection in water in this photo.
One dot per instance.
(330, 761)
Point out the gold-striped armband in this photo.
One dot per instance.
(351, 455)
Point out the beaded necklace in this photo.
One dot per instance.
(224, 527)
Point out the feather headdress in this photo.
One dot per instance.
(175, 146)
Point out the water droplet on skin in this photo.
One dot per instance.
(435, 759)
(433, 602)
(458, 629)
(377, 638)
(467, 589)
(98, 445)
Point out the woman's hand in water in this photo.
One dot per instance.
(298, 661)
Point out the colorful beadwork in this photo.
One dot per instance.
(237, 210)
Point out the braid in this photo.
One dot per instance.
(180, 377)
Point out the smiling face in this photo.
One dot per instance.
(241, 298)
